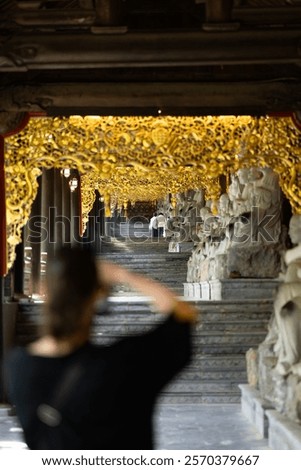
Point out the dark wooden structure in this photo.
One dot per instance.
(140, 56)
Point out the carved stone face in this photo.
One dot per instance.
(256, 174)
(295, 229)
(243, 175)
(224, 204)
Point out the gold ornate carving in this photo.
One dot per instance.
(144, 158)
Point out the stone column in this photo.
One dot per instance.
(66, 210)
(101, 216)
(32, 238)
(95, 225)
(48, 214)
(3, 260)
(1, 335)
(99, 222)
(58, 203)
(2, 253)
(19, 268)
(9, 123)
(75, 210)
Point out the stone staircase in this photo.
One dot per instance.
(144, 255)
(223, 334)
(167, 268)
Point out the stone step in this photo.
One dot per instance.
(139, 312)
(206, 387)
(233, 376)
(152, 261)
(210, 399)
(167, 268)
(220, 330)
(144, 253)
(210, 362)
(213, 345)
(199, 387)
(152, 248)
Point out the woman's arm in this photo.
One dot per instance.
(163, 298)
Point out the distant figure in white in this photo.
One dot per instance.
(153, 226)
(161, 224)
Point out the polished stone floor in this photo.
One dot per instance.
(198, 426)
(177, 427)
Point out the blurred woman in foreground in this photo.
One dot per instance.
(72, 394)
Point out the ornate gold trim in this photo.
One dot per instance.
(144, 158)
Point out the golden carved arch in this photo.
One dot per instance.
(144, 158)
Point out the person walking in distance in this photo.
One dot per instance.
(161, 224)
(153, 226)
(70, 393)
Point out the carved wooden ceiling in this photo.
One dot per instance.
(196, 57)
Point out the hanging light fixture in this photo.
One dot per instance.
(66, 172)
(73, 183)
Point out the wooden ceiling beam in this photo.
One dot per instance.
(86, 51)
(153, 98)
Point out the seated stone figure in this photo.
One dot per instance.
(255, 204)
(287, 307)
(239, 192)
(256, 238)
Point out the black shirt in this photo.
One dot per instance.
(111, 405)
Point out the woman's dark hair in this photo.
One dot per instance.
(72, 279)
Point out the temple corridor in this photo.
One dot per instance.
(201, 409)
(224, 332)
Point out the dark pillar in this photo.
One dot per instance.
(75, 209)
(109, 12)
(2, 256)
(58, 204)
(223, 183)
(1, 336)
(19, 268)
(219, 11)
(219, 16)
(66, 208)
(99, 222)
(101, 217)
(33, 236)
(48, 211)
(8, 125)
(3, 260)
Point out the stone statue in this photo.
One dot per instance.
(257, 230)
(255, 197)
(244, 237)
(287, 306)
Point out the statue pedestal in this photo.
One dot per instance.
(189, 290)
(254, 408)
(232, 289)
(242, 289)
(284, 434)
(197, 290)
(205, 290)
